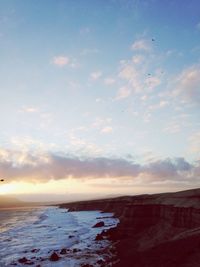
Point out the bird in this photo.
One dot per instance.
(2, 180)
(153, 40)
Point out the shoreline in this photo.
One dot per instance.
(67, 240)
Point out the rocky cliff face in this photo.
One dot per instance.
(145, 215)
(154, 230)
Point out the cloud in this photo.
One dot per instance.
(109, 81)
(61, 61)
(141, 45)
(161, 104)
(107, 130)
(169, 169)
(187, 85)
(152, 82)
(147, 117)
(172, 128)
(137, 59)
(30, 109)
(123, 92)
(41, 167)
(194, 140)
(128, 72)
(139, 77)
(95, 75)
(101, 122)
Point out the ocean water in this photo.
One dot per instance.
(35, 233)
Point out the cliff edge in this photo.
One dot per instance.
(160, 230)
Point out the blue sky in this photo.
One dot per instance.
(100, 79)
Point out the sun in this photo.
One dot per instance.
(7, 189)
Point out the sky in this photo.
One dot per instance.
(99, 98)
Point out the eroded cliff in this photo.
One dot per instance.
(154, 230)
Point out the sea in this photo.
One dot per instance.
(35, 233)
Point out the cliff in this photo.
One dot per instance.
(154, 230)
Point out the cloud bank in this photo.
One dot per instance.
(26, 166)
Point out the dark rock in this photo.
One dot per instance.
(71, 236)
(99, 224)
(35, 250)
(100, 261)
(63, 251)
(87, 265)
(98, 237)
(23, 260)
(75, 250)
(54, 257)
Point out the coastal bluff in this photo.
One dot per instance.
(159, 230)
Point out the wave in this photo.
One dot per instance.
(46, 230)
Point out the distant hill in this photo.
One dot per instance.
(12, 202)
(7, 201)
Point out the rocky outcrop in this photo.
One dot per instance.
(54, 257)
(115, 205)
(154, 230)
(99, 224)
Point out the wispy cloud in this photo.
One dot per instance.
(61, 61)
(95, 75)
(100, 123)
(138, 59)
(107, 130)
(141, 45)
(122, 93)
(187, 85)
(172, 128)
(109, 81)
(30, 109)
(194, 143)
(152, 82)
(140, 74)
(161, 104)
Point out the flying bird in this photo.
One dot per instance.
(2, 180)
(153, 40)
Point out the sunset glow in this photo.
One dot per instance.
(99, 100)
